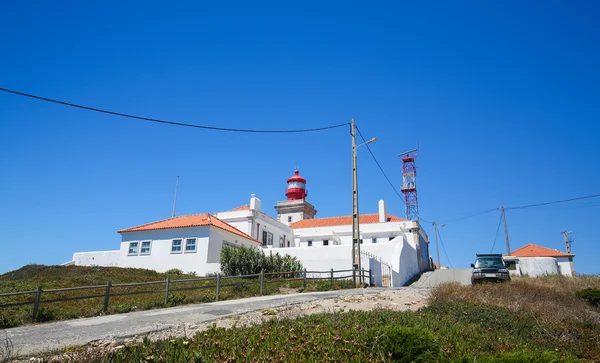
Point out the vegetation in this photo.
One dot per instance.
(53, 277)
(238, 261)
(527, 320)
(592, 296)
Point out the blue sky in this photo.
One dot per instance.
(503, 98)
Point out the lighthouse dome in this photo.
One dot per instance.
(296, 187)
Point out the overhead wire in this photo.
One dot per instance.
(497, 230)
(471, 215)
(167, 122)
(444, 248)
(553, 202)
(379, 165)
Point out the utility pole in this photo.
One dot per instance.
(175, 199)
(355, 224)
(506, 230)
(568, 241)
(437, 246)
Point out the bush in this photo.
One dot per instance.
(236, 261)
(44, 314)
(176, 299)
(592, 296)
(174, 271)
(406, 344)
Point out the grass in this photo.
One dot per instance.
(527, 320)
(53, 277)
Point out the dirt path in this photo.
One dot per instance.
(283, 307)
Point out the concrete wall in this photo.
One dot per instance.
(99, 258)
(565, 266)
(538, 266)
(376, 275)
(399, 253)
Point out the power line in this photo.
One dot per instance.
(444, 248)
(555, 202)
(472, 215)
(497, 230)
(379, 165)
(174, 123)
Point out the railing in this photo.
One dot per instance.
(170, 286)
(386, 268)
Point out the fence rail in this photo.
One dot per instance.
(262, 279)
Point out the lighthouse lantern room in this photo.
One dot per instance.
(296, 187)
(295, 208)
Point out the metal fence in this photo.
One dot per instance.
(170, 286)
(386, 268)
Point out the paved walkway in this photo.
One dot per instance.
(41, 338)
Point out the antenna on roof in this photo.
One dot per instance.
(175, 199)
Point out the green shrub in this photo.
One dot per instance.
(176, 298)
(44, 314)
(174, 271)
(519, 357)
(406, 344)
(236, 261)
(592, 296)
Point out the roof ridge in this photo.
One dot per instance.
(162, 220)
(240, 231)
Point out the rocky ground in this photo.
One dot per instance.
(405, 299)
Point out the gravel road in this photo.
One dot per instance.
(112, 330)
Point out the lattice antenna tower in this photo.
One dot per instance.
(409, 184)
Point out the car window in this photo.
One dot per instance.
(489, 261)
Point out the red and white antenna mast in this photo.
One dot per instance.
(409, 184)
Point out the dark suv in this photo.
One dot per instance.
(489, 267)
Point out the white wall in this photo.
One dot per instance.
(100, 258)
(538, 266)
(368, 231)
(399, 253)
(565, 266)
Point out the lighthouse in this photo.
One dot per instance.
(295, 208)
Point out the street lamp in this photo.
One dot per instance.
(437, 246)
(355, 215)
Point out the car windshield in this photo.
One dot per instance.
(489, 261)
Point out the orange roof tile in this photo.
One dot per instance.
(342, 221)
(192, 220)
(241, 207)
(532, 250)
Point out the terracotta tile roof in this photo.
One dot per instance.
(192, 220)
(241, 207)
(342, 221)
(532, 250)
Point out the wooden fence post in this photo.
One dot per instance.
(167, 291)
(107, 297)
(262, 280)
(331, 280)
(218, 285)
(36, 303)
(304, 279)
(362, 276)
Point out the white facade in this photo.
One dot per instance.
(202, 259)
(259, 225)
(398, 243)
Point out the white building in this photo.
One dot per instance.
(533, 260)
(193, 242)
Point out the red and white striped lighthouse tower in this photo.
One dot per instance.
(296, 187)
(295, 208)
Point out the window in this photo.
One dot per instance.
(374, 239)
(288, 243)
(133, 248)
(176, 246)
(264, 238)
(281, 242)
(325, 242)
(145, 248)
(190, 245)
(309, 243)
(361, 241)
(392, 237)
(289, 219)
(269, 239)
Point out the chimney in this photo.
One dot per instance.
(255, 203)
(382, 212)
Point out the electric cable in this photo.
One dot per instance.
(174, 123)
(554, 202)
(497, 230)
(444, 248)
